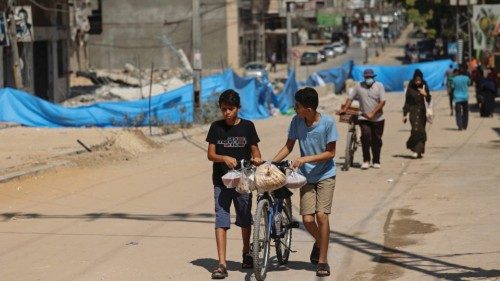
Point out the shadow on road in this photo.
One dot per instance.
(405, 156)
(185, 217)
(209, 264)
(426, 265)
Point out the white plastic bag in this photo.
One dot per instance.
(295, 180)
(246, 184)
(429, 113)
(231, 179)
(268, 177)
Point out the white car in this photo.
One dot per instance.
(255, 69)
(339, 47)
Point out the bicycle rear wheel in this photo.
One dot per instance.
(284, 243)
(349, 152)
(261, 243)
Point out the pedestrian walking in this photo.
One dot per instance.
(230, 140)
(450, 73)
(460, 84)
(485, 91)
(317, 136)
(417, 95)
(273, 62)
(371, 96)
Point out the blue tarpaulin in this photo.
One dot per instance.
(285, 100)
(176, 106)
(336, 76)
(393, 77)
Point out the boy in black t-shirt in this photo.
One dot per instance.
(229, 141)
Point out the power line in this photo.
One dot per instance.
(47, 9)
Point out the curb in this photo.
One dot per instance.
(34, 170)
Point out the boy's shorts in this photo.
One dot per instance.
(317, 197)
(223, 197)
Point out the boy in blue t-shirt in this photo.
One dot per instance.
(317, 136)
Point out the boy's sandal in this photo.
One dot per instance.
(220, 272)
(314, 254)
(323, 270)
(247, 261)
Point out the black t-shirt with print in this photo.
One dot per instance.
(234, 141)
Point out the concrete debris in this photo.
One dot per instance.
(123, 85)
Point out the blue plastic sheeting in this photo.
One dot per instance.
(175, 106)
(336, 76)
(393, 77)
(286, 98)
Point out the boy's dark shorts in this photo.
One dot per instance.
(223, 197)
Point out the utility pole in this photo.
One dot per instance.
(196, 56)
(262, 37)
(288, 35)
(457, 18)
(16, 64)
(469, 27)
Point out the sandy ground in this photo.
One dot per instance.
(149, 216)
(137, 208)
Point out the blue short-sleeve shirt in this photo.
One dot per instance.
(312, 141)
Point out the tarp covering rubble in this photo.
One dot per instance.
(176, 106)
(393, 77)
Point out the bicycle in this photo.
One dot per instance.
(273, 220)
(352, 143)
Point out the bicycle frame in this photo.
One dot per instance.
(276, 208)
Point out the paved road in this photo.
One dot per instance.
(151, 218)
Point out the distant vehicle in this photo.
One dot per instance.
(310, 58)
(322, 54)
(340, 36)
(339, 47)
(367, 34)
(426, 50)
(255, 69)
(329, 51)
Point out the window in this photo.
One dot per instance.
(96, 18)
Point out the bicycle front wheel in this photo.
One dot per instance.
(261, 237)
(284, 243)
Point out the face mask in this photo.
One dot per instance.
(369, 81)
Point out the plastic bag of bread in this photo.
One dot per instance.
(246, 184)
(268, 177)
(295, 180)
(231, 179)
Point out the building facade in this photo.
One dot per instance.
(43, 46)
(142, 32)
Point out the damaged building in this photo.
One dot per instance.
(157, 30)
(43, 45)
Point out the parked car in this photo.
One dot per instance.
(367, 34)
(339, 47)
(322, 54)
(340, 36)
(329, 51)
(255, 69)
(310, 58)
(426, 50)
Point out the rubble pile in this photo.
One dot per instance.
(129, 83)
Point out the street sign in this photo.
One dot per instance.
(463, 2)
